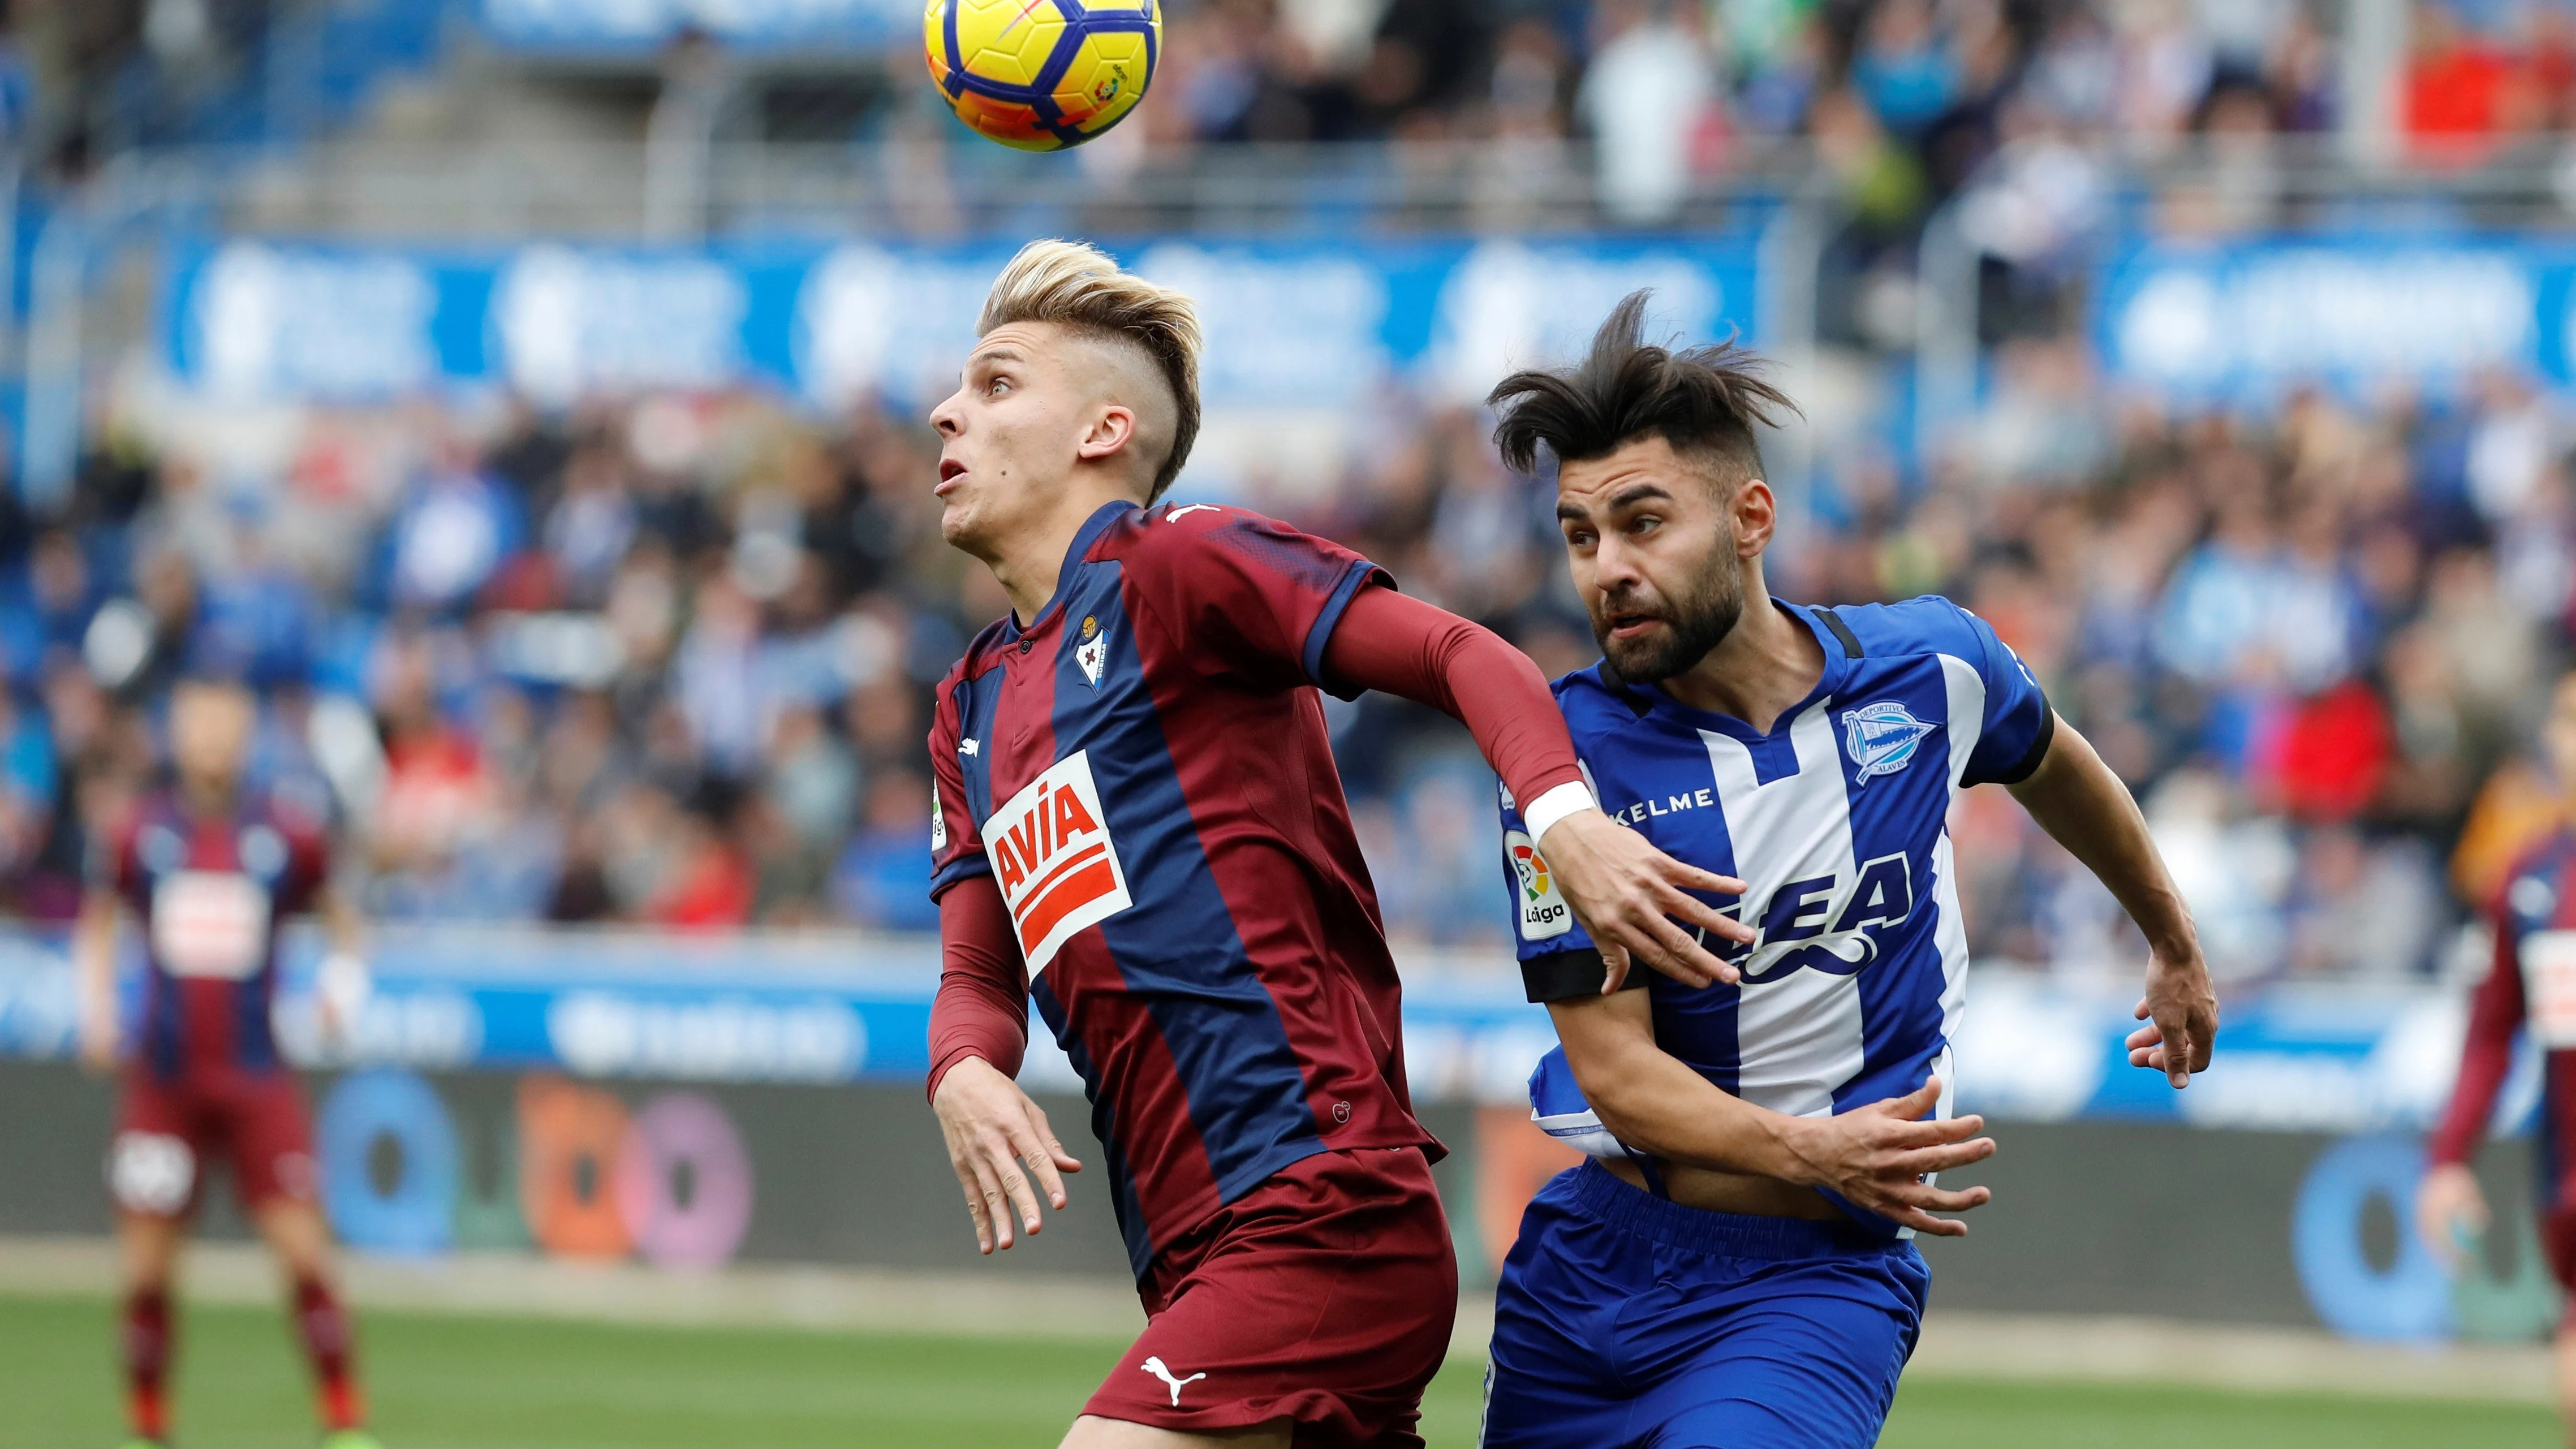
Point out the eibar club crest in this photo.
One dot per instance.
(1882, 737)
(1093, 652)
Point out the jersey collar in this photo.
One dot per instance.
(1649, 700)
(1083, 538)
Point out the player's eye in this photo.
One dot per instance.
(997, 387)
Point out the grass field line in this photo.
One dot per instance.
(1955, 1345)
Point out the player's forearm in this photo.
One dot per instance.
(342, 926)
(982, 1009)
(1400, 645)
(94, 954)
(1654, 1102)
(2085, 808)
(2486, 1056)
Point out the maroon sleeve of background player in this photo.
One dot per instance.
(309, 861)
(1405, 647)
(982, 1009)
(110, 866)
(2495, 1013)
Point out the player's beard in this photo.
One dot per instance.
(1693, 624)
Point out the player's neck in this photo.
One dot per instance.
(1766, 663)
(207, 797)
(1030, 562)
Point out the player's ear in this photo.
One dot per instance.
(1756, 513)
(1111, 428)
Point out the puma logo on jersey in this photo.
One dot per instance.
(1155, 1367)
(1052, 855)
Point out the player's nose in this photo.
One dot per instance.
(948, 417)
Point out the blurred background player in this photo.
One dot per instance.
(211, 871)
(1733, 1268)
(2531, 982)
(1138, 816)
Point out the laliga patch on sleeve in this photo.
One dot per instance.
(1052, 853)
(1542, 908)
(938, 824)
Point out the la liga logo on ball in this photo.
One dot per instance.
(1041, 75)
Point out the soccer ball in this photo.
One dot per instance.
(1042, 75)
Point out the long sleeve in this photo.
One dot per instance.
(2495, 1014)
(1388, 641)
(982, 1009)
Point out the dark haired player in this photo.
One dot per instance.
(1732, 1269)
(1138, 821)
(2530, 984)
(210, 871)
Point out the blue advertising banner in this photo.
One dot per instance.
(641, 25)
(2247, 319)
(1290, 328)
(850, 1008)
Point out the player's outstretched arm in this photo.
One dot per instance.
(999, 1142)
(1875, 1157)
(1633, 899)
(94, 963)
(2084, 807)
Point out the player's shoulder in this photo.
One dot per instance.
(1180, 536)
(982, 653)
(2545, 864)
(1593, 704)
(1924, 624)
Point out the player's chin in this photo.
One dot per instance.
(1639, 656)
(958, 526)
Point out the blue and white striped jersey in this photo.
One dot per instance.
(1837, 820)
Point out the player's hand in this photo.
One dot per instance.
(1629, 895)
(1877, 1157)
(1004, 1151)
(2181, 1014)
(2450, 1211)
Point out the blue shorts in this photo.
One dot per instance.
(1625, 1320)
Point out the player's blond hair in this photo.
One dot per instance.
(1078, 286)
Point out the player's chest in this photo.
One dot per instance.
(1833, 820)
(210, 895)
(1080, 685)
(2543, 921)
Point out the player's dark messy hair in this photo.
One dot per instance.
(1705, 401)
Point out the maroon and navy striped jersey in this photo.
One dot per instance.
(2531, 986)
(211, 891)
(1146, 774)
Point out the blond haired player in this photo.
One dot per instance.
(1139, 824)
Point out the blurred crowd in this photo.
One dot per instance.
(667, 661)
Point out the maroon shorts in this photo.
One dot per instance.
(167, 1133)
(1324, 1296)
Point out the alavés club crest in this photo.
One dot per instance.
(1881, 737)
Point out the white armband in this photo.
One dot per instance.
(1570, 798)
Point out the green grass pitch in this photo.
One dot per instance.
(477, 1383)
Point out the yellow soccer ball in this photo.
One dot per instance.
(1042, 75)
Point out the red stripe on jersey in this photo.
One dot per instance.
(1068, 895)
